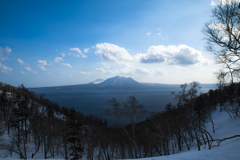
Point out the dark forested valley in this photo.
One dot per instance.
(32, 121)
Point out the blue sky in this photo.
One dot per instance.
(50, 43)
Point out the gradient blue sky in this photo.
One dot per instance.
(56, 42)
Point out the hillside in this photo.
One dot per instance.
(32, 126)
(225, 127)
(229, 149)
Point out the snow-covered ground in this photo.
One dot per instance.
(228, 150)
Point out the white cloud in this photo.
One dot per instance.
(73, 54)
(4, 50)
(112, 52)
(28, 69)
(140, 70)
(86, 50)
(23, 72)
(180, 68)
(126, 71)
(155, 54)
(66, 64)
(136, 71)
(42, 68)
(173, 55)
(183, 55)
(58, 59)
(213, 3)
(63, 55)
(159, 32)
(223, 2)
(221, 30)
(21, 62)
(41, 64)
(79, 51)
(165, 39)
(4, 68)
(126, 64)
(104, 70)
(84, 72)
(8, 50)
(106, 65)
(35, 72)
(148, 33)
(159, 72)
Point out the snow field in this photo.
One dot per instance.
(224, 127)
(228, 150)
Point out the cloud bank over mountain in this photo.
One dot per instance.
(182, 55)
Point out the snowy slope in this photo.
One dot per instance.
(228, 150)
(98, 81)
(224, 127)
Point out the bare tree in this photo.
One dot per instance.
(132, 111)
(194, 111)
(223, 36)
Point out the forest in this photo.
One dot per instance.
(32, 120)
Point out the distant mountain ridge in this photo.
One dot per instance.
(97, 81)
(114, 83)
(118, 83)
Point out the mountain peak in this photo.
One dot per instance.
(119, 82)
(120, 77)
(97, 81)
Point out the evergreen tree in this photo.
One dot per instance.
(73, 138)
(19, 120)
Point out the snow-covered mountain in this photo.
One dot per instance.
(114, 83)
(97, 81)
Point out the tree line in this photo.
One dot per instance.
(31, 119)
